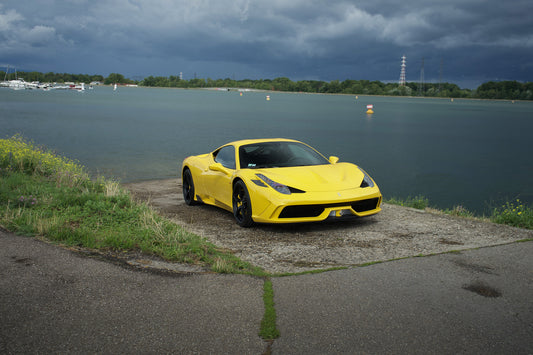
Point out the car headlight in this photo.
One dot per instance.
(275, 185)
(367, 181)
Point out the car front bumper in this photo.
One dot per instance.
(317, 206)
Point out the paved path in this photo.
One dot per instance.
(427, 305)
(54, 300)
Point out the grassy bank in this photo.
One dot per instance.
(514, 213)
(51, 196)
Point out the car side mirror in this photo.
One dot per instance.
(218, 167)
(333, 159)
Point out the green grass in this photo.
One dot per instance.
(418, 202)
(515, 214)
(44, 194)
(459, 211)
(268, 329)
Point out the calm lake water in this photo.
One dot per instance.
(477, 154)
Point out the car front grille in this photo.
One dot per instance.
(302, 211)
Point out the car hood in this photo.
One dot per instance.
(317, 178)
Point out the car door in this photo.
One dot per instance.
(218, 178)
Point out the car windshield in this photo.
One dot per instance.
(278, 154)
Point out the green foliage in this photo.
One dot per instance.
(459, 211)
(268, 329)
(20, 155)
(115, 78)
(508, 90)
(419, 202)
(353, 87)
(45, 194)
(515, 214)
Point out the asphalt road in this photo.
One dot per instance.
(53, 300)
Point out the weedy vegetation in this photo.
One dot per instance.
(268, 324)
(516, 214)
(48, 195)
(419, 202)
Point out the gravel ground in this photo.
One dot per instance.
(396, 232)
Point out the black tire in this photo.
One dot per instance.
(188, 188)
(242, 206)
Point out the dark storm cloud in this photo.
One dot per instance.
(470, 40)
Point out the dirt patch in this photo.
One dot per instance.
(396, 232)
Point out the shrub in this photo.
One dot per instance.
(514, 214)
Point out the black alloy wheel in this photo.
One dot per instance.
(242, 206)
(188, 188)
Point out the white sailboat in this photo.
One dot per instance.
(16, 84)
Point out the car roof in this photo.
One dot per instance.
(261, 140)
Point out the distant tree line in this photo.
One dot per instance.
(508, 90)
(355, 87)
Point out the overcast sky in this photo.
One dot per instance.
(466, 42)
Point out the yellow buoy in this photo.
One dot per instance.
(369, 109)
(268, 97)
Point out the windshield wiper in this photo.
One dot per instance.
(265, 166)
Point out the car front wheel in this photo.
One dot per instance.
(242, 206)
(188, 187)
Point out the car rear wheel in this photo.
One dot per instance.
(242, 206)
(188, 188)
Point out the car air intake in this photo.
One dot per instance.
(303, 211)
(365, 205)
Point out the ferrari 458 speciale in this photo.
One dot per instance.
(278, 181)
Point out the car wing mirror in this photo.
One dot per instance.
(218, 167)
(333, 159)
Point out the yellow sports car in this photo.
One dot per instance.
(278, 181)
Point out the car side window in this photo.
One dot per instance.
(226, 157)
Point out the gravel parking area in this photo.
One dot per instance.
(396, 232)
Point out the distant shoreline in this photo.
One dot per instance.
(490, 90)
(319, 93)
